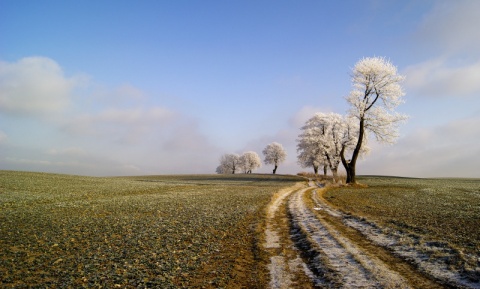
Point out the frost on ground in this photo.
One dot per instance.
(335, 250)
(271, 236)
(131, 232)
(328, 259)
(403, 245)
(278, 276)
(282, 270)
(350, 267)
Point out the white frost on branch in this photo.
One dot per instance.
(228, 164)
(324, 138)
(274, 155)
(376, 93)
(249, 161)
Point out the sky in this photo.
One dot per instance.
(109, 88)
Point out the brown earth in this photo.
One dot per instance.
(293, 221)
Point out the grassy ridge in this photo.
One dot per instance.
(152, 231)
(441, 216)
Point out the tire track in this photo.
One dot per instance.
(349, 267)
(286, 268)
(371, 240)
(329, 253)
(339, 255)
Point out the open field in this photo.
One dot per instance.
(237, 231)
(438, 218)
(156, 231)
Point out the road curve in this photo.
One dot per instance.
(327, 253)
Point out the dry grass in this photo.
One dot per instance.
(341, 178)
(439, 216)
(168, 231)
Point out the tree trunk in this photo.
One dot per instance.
(351, 165)
(275, 169)
(325, 170)
(353, 174)
(335, 174)
(315, 169)
(345, 165)
(350, 175)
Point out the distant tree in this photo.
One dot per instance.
(376, 93)
(324, 137)
(249, 161)
(309, 153)
(228, 164)
(274, 155)
(221, 170)
(311, 158)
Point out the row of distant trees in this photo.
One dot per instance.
(327, 139)
(274, 154)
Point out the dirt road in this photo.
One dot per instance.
(310, 245)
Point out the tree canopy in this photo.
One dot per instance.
(228, 164)
(250, 161)
(324, 138)
(376, 93)
(274, 155)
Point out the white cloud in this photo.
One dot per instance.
(437, 78)
(98, 166)
(128, 91)
(449, 34)
(135, 116)
(34, 85)
(186, 137)
(306, 112)
(452, 26)
(24, 161)
(88, 160)
(153, 140)
(128, 125)
(124, 95)
(96, 130)
(448, 150)
(3, 137)
(70, 151)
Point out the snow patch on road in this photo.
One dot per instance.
(280, 270)
(272, 240)
(406, 247)
(350, 273)
(278, 278)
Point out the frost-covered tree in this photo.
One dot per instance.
(310, 152)
(309, 156)
(228, 164)
(376, 93)
(249, 161)
(274, 155)
(221, 170)
(324, 138)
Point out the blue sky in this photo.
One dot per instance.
(163, 87)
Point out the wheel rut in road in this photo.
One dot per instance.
(286, 267)
(327, 253)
